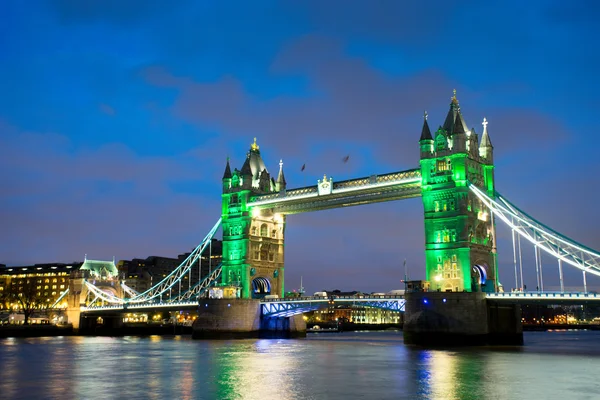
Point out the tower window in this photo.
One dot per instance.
(263, 230)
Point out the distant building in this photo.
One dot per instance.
(354, 313)
(141, 274)
(99, 269)
(46, 282)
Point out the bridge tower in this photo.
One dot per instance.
(252, 238)
(460, 234)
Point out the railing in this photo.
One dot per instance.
(543, 295)
(353, 185)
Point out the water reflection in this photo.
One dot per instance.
(372, 365)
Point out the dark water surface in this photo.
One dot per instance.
(362, 365)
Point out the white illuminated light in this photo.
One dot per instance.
(560, 253)
(335, 191)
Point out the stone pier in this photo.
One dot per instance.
(460, 319)
(241, 318)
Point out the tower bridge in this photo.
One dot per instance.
(461, 206)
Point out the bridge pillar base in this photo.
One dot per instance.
(241, 319)
(460, 319)
(283, 327)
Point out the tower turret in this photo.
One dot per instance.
(426, 140)
(459, 135)
(486, 150)
(227, 177)
(280, 184)
(473, 144)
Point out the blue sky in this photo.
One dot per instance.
(117, 117)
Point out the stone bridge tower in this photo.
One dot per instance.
(253, 238)
(460, 234)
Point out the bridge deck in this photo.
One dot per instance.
(371, 189)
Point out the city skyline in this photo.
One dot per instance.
(119, 118)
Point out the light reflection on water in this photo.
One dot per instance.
(552, 365)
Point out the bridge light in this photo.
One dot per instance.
(443, 300)
(425, 301)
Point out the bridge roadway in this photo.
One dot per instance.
(292, 306)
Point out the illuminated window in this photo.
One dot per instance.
(442, 165)
(445, 206)
(446, 236)
(437, 206)
(453, 257)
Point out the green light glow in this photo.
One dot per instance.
(455, 238)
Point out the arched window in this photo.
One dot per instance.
(263, 230)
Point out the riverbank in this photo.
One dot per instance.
(7, 331)
(550, 327)
(350, 327)
(22, 331)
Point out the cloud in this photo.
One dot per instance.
(61, 201)
(106, 109)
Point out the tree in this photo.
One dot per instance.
(24, 293)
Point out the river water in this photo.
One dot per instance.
(361, 365)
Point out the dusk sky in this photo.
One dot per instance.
(116, 119)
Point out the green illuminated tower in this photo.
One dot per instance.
(460, 235)
(252, 239)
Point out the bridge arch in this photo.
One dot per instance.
(260, 287)
(480, 278)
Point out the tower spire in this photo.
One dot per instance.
(254, 146)
(485, 137)
(281, 177)
(425, 132)
(485, 147)
(227, 173)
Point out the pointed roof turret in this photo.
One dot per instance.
(227, 173)
(451, 117)
(246, 170)
(485, 138)
(459, 126)
(425, 132)
(281, 178)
